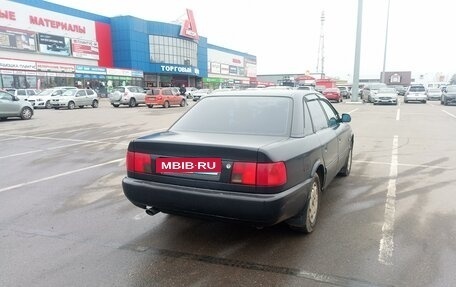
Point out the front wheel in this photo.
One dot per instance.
(115, 105)
(182, 103)
(345, 171)
(166, 104)
(150, 106)
(71, 105)
(95, 104)
(48, 105)
(306, 220)
(26, 113)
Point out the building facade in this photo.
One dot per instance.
(44, 45)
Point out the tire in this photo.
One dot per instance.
(95, 104)
(405, 101)
(132, 103)
(3, 118)
(115, 105)
(445, 102)
(48, 105)
(150, 106)
(56, 108)
(81, 107)
(71, 105)
(346, 169)
(182, 103)
(26, 113)
(423, 101)
(166, 104)
(306, 220)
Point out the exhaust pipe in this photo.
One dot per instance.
(151, 210)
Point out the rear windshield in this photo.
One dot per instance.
(120, 89)
(417, 89)
(239, 115)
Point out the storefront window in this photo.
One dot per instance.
(172, 50)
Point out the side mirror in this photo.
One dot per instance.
(346, 118)
(16, 98)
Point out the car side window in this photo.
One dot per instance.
(155, 92)
(131, 89)
(317, 114)
(333, 116)
(6, 96)
(139, 90)
(21, 92)
(30, 92)
(308, 127)
(90, 92)
(167, 92)
(80, 93)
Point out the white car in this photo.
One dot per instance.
(22, 93)
(201, 93)
(127, 95)
(75, 98)
(385, 96)
(415, 93)
(44, 98)
(190, 91)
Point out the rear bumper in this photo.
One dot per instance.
(258, 209)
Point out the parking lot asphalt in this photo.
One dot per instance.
(64, 220)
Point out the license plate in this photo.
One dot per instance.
(188, 165)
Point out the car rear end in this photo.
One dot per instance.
(415, 93)
(332, 95)
(245, 177)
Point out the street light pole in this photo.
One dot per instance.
(355, 86)
(386, 42)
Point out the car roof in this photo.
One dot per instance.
(267, 93)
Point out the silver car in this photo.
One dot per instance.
(12, 106)
(434, 94)
(127, 95)
(44, 98)
(415, 93)
(75, 98)
(385, 96)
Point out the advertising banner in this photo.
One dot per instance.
(54, 45)
(85, 49)
(224, 69)
(17, 39)
(17, 64)
(90, 70)
(233, 70)
(54, 67)
(215, 68)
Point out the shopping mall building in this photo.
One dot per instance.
(43, 45)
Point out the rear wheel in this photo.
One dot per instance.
(306, 220)
(166, 104)
(81, 107)
(132, 103)
(182, 103)
(26, 113)
(71, 105)
(95, 104)
(345, 171)
(115, 105)
(150, 106)
(2, 118)
(48, 105)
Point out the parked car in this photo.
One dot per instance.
(385, 96)
(260, 158)
(449, 96)
(165, 97)
(127, 95)
(369, 90)
(75, 98)
(44, 98)
(434, 94)
(344, 91)
(415, 92)
(13, 106)
(22, 93)
(333, 94)
(190, 91)
(305, 88)
(201, 93)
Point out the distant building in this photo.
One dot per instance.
(397, 78)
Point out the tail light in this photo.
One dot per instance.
(139, 162)
(259, 174)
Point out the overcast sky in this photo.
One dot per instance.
(284, 35)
